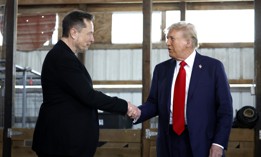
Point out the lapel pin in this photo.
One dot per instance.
(200, 66)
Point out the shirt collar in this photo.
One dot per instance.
(190, 59)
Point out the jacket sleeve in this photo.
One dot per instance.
(224, 107)
(149, 108)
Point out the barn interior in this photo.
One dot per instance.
(129, 43)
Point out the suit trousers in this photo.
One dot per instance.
(179, 144)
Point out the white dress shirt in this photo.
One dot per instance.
(188, 68)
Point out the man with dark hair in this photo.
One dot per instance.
(67, 124)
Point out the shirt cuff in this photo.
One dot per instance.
(218, 145)
(135, 120)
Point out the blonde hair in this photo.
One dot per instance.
(188, 29)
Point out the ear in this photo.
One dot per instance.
(73, 33)
(189, 43)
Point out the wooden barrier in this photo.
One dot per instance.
(112, 143)
(127, 143)
(22, 142)
(241, 143)
(119, 142)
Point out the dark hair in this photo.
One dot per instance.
(75, 19)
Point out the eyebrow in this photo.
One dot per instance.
(169, 36)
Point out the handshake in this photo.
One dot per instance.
(133, 111)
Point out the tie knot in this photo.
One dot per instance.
(182, 63)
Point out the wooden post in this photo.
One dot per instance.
(257, 50)
(9, 47)
(146, 50)
(163, 26)
(183, 9)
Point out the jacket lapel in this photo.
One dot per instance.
(169, 82)
(196, 73)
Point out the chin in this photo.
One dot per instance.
(83, 51)
(171, 56)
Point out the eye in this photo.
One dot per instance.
(170, 37)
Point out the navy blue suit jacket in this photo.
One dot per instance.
(209, 105)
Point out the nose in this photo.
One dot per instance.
(92, 39)
(167, 42)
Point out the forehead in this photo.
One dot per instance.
(175, 33)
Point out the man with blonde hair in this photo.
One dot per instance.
(191, 95)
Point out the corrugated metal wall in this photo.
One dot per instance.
(127, 65)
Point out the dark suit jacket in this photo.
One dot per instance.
(209, 105)
(68, 120)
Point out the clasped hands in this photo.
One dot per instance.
(133, 111)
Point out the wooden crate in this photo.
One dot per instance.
(113, 142)
(241, 143)
(127, 143)
(119, 142)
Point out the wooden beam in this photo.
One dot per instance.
(146, 50)
(220, 5)
(183, 10)
(257, 50)
(162, 45)
(117, 82)
(227, 45)
(241, 81)
(120, 135)
(64, 8)
(9, 49)
(38, 9)
(163, 26)
(51, 2)
(139, 82)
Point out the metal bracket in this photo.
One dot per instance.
(11, 133)
(150, 133)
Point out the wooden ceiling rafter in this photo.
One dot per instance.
(38, 9)
(51, 2)
(28, 7)
(70, 2)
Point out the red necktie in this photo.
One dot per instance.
(179, 100)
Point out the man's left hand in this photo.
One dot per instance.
(215, 151)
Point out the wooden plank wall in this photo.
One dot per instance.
(241, 144)
(119, 142)
(112, 142)
(127, 143)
